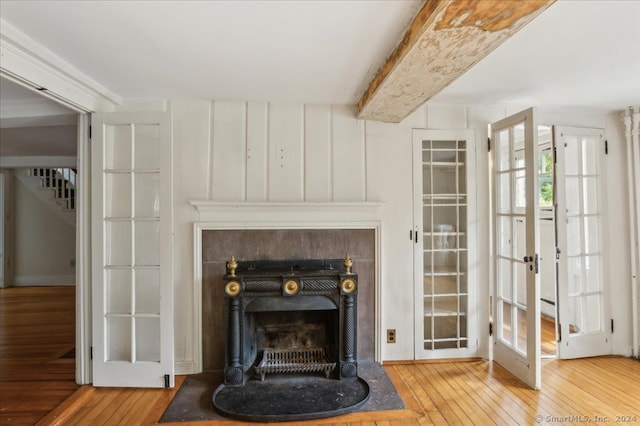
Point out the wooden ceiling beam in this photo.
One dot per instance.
(444, 40)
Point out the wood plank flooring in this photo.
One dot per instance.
(474, 392)
(37, 363)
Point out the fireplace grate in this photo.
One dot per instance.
(294, 361)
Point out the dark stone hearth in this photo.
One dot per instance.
(291, 397)
(193, 400)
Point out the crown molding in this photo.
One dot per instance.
(27, 62)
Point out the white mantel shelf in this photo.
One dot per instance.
(321, 212)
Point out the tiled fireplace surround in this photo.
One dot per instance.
(283, 244)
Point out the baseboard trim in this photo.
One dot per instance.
(44, 280)
(185, 367)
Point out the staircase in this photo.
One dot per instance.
(55, 186)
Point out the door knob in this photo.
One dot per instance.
(527, 259)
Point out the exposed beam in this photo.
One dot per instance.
(444, 40)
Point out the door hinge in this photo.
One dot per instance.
(612, 328)
(536, 263)
(89, 132)
(606, 147)
(411, 234)
(91, 352)
(489, 144)
(555, 155)
(559, 326)
(166, 381)
(490, 328)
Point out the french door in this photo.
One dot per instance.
(516, 303)
(582, 306)
(131, 250)
(445, 244)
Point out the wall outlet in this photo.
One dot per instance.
(391, 335)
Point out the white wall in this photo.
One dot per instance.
(45, 244)
(254, 151)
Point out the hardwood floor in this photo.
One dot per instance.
(444, 392)
(37, 363)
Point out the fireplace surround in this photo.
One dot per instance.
(294, 316)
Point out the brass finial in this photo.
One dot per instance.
(232, 265)
(347, 263)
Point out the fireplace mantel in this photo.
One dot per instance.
(221, 215)
(288, 212)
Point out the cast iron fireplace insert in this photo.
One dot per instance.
(290, 323)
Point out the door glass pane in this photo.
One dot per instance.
(147, 243)
(148, 291)
(118, 339)
(502, 146)
(147, 152)
(590, 195)
(592, 274)
(521, 283)
(117, 195)
(148, 339)
(574, 236)
(504, 193)
(589, 156)
(118, 243)
(117, 147)
(147, 187)
(572, 156)
(520, 237)
(118, 291)
(522, 330)
(505, 329)
(572, 189)
(504, 279)
(593, 318)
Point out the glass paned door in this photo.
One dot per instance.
(582, 307)
(445, 244)
(131, 207)
(516, 288)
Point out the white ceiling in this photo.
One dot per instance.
(576, 53)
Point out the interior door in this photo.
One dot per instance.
(445, 244)
(516, 303)
(582, 305)
(131, 250)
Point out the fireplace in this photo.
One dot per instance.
(290, 317)
(290, 340)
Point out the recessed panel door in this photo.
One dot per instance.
(516, 305)
(131, 250)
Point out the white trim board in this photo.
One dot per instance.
(44, 280)
(254, 216)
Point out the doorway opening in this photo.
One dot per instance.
(39, 170)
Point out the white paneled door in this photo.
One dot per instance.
(582, 307)
(131, 250)
(516, 289)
